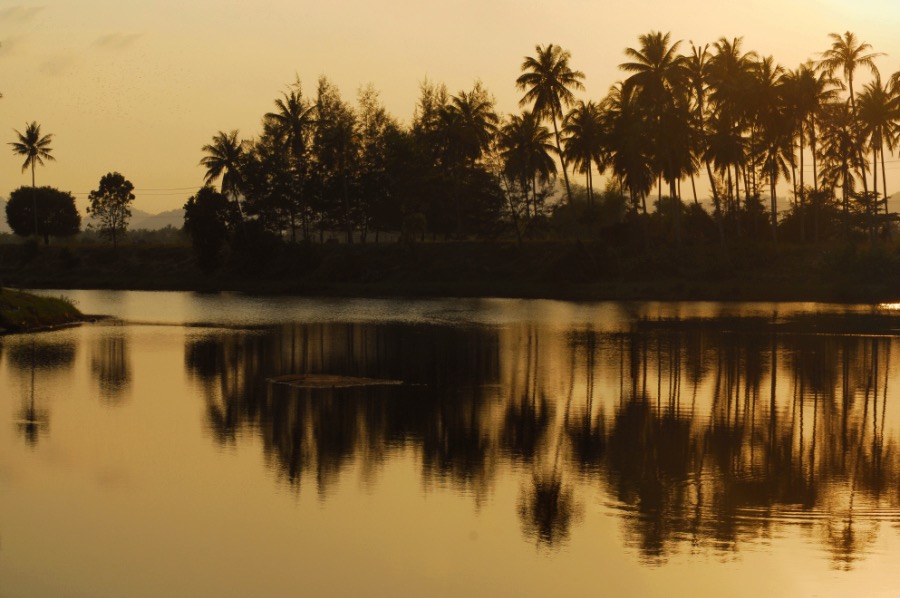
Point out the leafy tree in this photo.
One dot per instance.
(209, 219)
(57, 215)
(36, 148)
(110, 205)
(337, 154)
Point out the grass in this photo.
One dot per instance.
(22, 311)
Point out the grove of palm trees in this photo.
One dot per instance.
(772, 152)
(704, 162)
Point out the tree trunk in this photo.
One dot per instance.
(562, 160)
(887, 213)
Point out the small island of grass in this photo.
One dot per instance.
(21, 312)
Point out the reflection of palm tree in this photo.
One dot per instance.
(36, 148)
(33, 421)
(548, 81)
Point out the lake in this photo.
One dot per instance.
(233, 445)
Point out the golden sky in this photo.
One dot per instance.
(140, 86)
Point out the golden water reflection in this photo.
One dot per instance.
(704, 435)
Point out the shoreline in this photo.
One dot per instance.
(542, 270)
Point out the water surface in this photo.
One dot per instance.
(535, 448)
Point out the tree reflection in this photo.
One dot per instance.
(111, 366)
(34, 360)
(705, 434)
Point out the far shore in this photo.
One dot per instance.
(540, 270)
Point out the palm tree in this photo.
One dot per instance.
(36, 148)
(878, 115)
(582, 128)
(840, 153)
(223, 159)
(527, 150)
(847, 54)
(292, 122)
(627, 139)
(807, 90)
(548, 81)
(696, 66)
(731, 75)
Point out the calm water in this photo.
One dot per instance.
(535, 448)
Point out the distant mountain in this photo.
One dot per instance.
(139, 219)
(147, 221)
(144, 220)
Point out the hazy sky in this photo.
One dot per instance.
(140, 86)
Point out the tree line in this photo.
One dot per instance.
(738, 120)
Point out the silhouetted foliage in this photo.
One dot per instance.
(110, 205)
(57, 215)
(209, 219)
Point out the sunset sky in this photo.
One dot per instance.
(140, 86)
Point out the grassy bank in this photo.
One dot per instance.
(564, 270)
(23, 311)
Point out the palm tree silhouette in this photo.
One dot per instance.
(806, 90)
(223, 159)
(878, 115)
(527, 151)
(36, 148)
(548, 81)
(847, 54)
(583, 130)
(292, 122)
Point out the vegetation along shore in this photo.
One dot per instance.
(336, 198)
(23, 311)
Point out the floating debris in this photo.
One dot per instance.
(330, 381)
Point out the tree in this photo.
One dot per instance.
(584, 131)
(527, 152)
(209, 218)
(292, 123)
(57, 215)
(847, 54)
(110, 205)
(223, 160)
(548, 81)
(36, 148)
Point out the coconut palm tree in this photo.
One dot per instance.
(223, 159)
(292, 123)
(879, 114)
(548, 81)
(658, 74)
(628, 141)
(806, 91)
(583, 131)
(527, 149)
(840, 153)
(731, 75)
(696, 66)
(847, 54)
(36, 148)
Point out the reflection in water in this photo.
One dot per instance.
(111, 366)
(33, 360)
(702, 434)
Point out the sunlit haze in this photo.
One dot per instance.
(139, 87)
